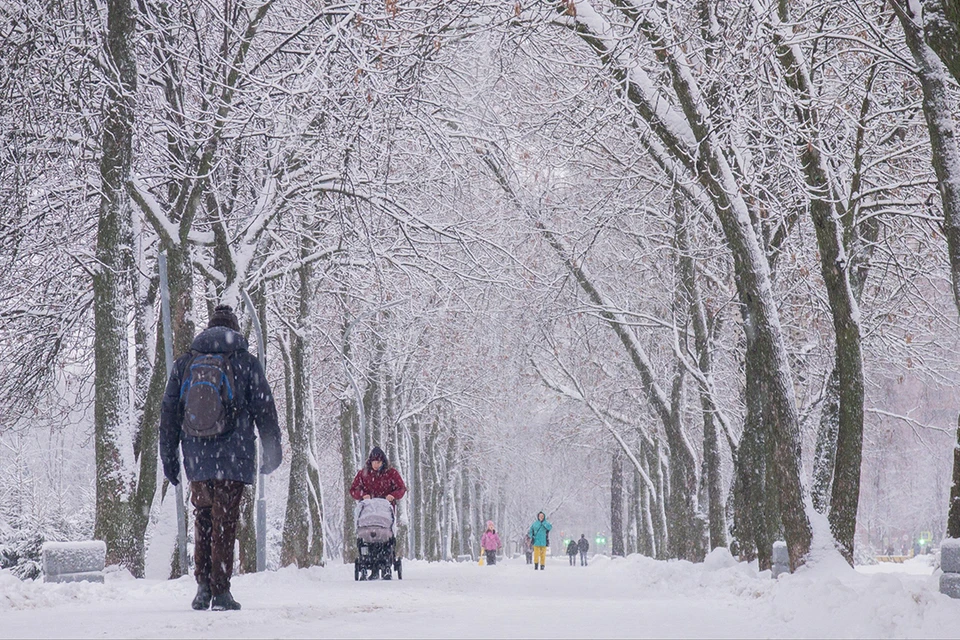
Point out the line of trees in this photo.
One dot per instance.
(703, 232)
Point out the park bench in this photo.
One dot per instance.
(73, 561)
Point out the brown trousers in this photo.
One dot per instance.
(216, 510)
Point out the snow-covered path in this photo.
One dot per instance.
(633, 597)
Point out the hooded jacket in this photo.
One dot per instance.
(538, 531)
(490, 540)
(377, 484)
(232, 455)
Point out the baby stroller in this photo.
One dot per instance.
(376, 540)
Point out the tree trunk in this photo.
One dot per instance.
(247, 531)
(111, 287)
(942, 32)
(303, 513)
(953, 515)
(633, 511)
(711, 445)
(750, 472)
(658, 503)
(348, 428)
(824, 460)
(616, 503)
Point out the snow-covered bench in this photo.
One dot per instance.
(950, 565)
(73, 561)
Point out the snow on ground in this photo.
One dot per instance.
(631, 597)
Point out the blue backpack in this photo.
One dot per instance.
(206, 395)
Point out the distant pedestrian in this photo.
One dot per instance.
(572, 552)
(528, 548)
(540, 535)
(583, 546)
(215, 395)
(490, 543)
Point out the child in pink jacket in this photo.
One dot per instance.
(490, 543)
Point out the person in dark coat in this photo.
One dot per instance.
(378, 479)
(528, 548)
(219, 465)
(572, 552)
(583, 546)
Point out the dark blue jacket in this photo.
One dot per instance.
(233, 455)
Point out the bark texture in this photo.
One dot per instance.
(111, 289)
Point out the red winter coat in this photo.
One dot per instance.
(378, 484)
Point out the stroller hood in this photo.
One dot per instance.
(376, 512)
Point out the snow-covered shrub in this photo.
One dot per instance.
(20, 554)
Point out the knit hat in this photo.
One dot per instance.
(489, 524)
(377, 454)
(223, 316)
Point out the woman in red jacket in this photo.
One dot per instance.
(378, 479)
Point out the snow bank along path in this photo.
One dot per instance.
(630, 597)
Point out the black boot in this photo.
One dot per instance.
(374, 575)
(386, 574)
(201, 601)
(225, 602)
(536, 565)
(542, 567)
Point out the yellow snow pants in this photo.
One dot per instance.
(540, 555)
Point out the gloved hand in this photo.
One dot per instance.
(271, 456)
(171, 472)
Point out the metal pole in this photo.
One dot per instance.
(168, 356)
(261, 499)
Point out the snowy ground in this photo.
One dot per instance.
(632, 597)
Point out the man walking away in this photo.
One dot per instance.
(214, 397)
(583, 546)
(540, 534)
(572, 552)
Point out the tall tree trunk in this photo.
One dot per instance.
(750, 472)
(348, 427)
(711, 445)
(111, 286)
(303, 509)
(647, 539)
(616, 503)
(247, 526)
(658, 502)
(633, 513)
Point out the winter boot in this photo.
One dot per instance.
(542, 567)
(386, 574)
(225, 602)
(536, 565)
(201, 601)
(374, 575)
